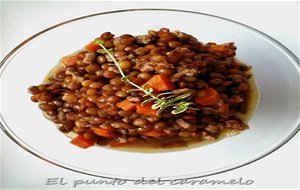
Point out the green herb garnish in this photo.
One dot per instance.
(179, 103)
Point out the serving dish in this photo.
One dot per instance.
(275, 121)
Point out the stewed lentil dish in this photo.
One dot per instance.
(163, 89)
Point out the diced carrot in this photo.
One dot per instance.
(126, 105)
(81, 142)
(154, 133)
(70, 60)
(211, 97)
(108, 133)
(218, 49)
(160, 83)
(145, 109)
(92, 47)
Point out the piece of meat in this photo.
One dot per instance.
(182, 123)
(144, 39)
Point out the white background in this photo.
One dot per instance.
(20, 20)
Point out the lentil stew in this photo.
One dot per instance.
(161, 90)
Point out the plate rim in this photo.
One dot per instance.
(6, 129)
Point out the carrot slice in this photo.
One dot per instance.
(154, 133)
(145, 109)
(108, 133)
(211, 97)
(160, 83)
(126, 105)
(81, 142)
(92, 47)
(70, 60)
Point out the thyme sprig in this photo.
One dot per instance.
(179, 103)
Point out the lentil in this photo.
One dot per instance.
(87, 94)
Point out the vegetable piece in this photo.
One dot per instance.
(145, 109)
(126, 105)
(154, 133)
(92, 47)
(210, 97)
(81, 142)
(219, 49)
(108, 133)
(160, 83)
(70, 60)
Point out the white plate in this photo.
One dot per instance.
(275, 121)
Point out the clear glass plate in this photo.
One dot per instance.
(275, 121)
